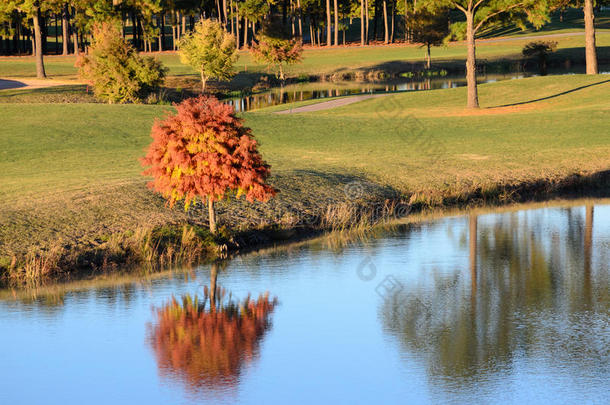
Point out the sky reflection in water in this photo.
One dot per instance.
(426, 314)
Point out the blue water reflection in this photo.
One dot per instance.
(424, 313)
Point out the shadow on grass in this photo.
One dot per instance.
(572, 19)
(563, 93)
(11, 84)
(567, 60)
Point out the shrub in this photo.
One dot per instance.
(115, 70)
(203, 151)
(540, 50)
(276, 48)
(210, 50)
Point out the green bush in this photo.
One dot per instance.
(116, 71)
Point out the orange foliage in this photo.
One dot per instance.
(207, 349)
(204, 151)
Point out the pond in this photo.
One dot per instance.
(318, 90)
(507, 307)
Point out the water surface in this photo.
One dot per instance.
(319, 90)
(511, 307)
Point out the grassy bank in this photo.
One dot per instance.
(70, 182)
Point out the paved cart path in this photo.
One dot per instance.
(327, 105)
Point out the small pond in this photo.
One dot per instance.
(318, 90)
(508, 307)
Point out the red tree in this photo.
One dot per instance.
(207, 349)
(204, 151)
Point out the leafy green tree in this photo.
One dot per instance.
(428, 28)
(33, 9)
(276, 48)
(210, 50)
(115, 70)
(479, 15)
(588, 7)
(540, 50)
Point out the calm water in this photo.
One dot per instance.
(502, 308)
(319, 90)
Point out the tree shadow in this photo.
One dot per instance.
(11, 84)
(563, 93)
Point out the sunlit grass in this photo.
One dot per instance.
(71, 172)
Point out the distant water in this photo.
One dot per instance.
(310, 91)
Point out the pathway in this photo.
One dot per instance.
(327, 105)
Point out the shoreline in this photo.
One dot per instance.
(189, 245)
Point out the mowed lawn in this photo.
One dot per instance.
(73, 169)
(318, 61)
(527, 129)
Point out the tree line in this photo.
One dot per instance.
(157, 25)
(147, 22)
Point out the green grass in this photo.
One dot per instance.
(56, 94)
(71, 173)
(573, 21)
(396, 139)
(328, 61)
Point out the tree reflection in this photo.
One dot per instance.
(529, 293)
(205, 346)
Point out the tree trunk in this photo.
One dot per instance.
(237, 21)
(362, 41)
(386, 28)
(162, 31)
(428, 58)
(40, 73)
(406, 21)
(246, 32)
(183, 25)
(64, 29)
(300, 18)
(312, 38)
(588, 239)
(56, 18)
(328, 24)
(292, 28)
(367, 18)
(471, 63)
(232, 20)
(375, 19)
(75, 38)
(33, 37)
(212, 216)
(224, 12)
(393, 15)
(44, 31)
(472, 236)
(592, 68)
(336, 22)
(213, 280)
(174, 38)
(203, 81)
